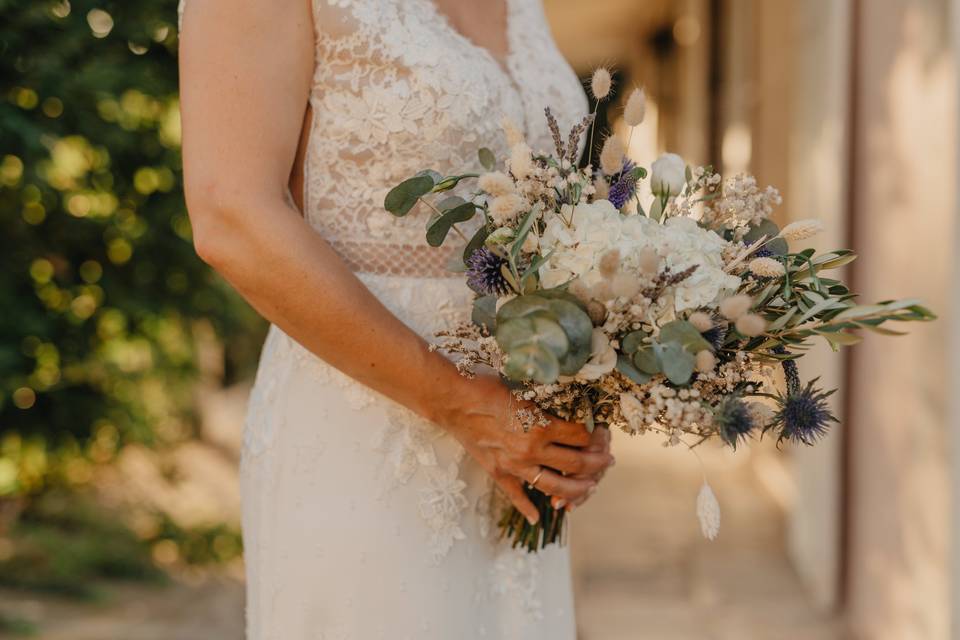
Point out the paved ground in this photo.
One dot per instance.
(642, 570)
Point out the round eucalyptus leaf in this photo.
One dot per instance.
(684, 333)
(477, 241)
(537, 329)
(625, 366)
(441, 225)
(402, 197)
(485, 312)
(646, 361)
(522, 306)
(632, 342)
(579, 329)
(677, 363)
(532, 362)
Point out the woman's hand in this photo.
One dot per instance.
(599, 443)
(554, 457)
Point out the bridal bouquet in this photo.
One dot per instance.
(675, 315)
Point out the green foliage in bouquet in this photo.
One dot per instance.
(670, 315)
(102, 294)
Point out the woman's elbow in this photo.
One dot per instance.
(213, 219)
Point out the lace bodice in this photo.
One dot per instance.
(398, 89)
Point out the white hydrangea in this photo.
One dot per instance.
(579, 239)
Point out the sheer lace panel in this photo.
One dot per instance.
(396, 90)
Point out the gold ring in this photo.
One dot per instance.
(536, 478)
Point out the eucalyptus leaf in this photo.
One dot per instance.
(405, 195)
(686, 334)
(539, 329)
(441, 225)
(632, 342)
(477, 241)
(485, 312)
(523, 306)
(625, 366)
(487, 160)
(646, 361)
(577, 326)
(532, 362)
(677, 363)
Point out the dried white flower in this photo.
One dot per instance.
(512, 133)
(521, 160)
(625, 285)
(649, 261)
(751, 325)
(632, 410)
(496, 183)
(504, 208)
(801, 230)
(701, 321)
(706, 361)
(767, 267)
(611, 157)
(603, 358)
(668, 175)
(735, 306)
(708, 512)
(601, 83)
(636, 109)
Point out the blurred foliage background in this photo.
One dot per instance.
(104, 307)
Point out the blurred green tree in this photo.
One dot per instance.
(102, 299)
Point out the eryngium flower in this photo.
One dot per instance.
(734, 420)
(484, 275)
(804, 415)
(624, 186)
(716, 335)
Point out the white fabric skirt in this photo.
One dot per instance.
(363, 521)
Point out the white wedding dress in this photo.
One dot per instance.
(362, 521)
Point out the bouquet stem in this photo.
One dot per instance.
(532, 537)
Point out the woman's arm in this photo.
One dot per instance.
(246, 69)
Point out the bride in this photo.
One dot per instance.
(369, 464)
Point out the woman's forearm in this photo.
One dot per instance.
(297, 281)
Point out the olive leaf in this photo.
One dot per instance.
(405, 195)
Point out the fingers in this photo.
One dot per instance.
(578, 462)
(513, 487)
(599, 440)
(571, 434)
(569, 489)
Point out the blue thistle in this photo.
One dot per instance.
(763, 252)
(804, 415)
(484, 275)
(622, 190)
(733, 420)
(716, 335)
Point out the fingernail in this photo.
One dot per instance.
(571, 507)
(613, 461)
(533, 520)
(560, 504)
(592, 490)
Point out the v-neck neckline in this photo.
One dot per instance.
(502, 63)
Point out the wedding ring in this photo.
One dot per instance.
(536, 478)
